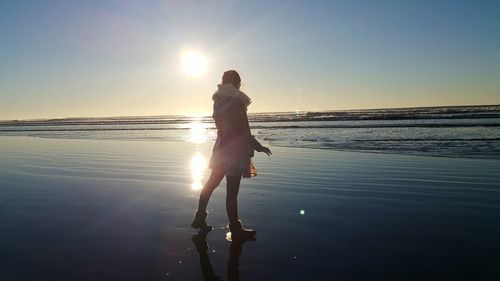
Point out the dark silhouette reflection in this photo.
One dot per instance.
(235, 250)
(200, 241)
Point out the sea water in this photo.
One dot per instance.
(467, 131)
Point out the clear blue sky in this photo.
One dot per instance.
(111, 58)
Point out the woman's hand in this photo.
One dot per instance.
(259, 147)
(266, 150)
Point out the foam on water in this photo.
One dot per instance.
(468, 131)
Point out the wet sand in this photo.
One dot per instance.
(120, 210)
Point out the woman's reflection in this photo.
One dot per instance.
(235, 250)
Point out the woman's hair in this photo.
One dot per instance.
(231, 77)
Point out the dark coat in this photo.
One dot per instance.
(234, 140)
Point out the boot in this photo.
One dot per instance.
(238, 232)
(199, 221)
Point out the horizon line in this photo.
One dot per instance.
(253, 113)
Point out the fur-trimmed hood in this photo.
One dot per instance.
(229, 90)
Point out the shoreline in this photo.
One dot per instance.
(209, 142)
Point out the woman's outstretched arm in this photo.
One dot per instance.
(259, 147)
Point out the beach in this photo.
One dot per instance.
(80, 209)
(374, 128)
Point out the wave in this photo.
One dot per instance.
(472, 132)
(445, 112)
(101, 127)
(448, 112)
(427, 139)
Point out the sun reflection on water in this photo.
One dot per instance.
(198, 166)
(197, 132)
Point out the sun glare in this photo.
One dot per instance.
(197, 132)
(193, 63)
(198, 166)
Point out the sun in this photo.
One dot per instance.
(193, 63)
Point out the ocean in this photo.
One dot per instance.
(451, 131)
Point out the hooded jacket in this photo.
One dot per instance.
(234, 140)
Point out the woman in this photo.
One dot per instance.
(233, 149)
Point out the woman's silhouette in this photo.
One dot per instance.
(232, 152)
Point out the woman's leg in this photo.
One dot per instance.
(233, 186)
(215, 178)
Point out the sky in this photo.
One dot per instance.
(123, 57)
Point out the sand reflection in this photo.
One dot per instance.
(198, 167)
